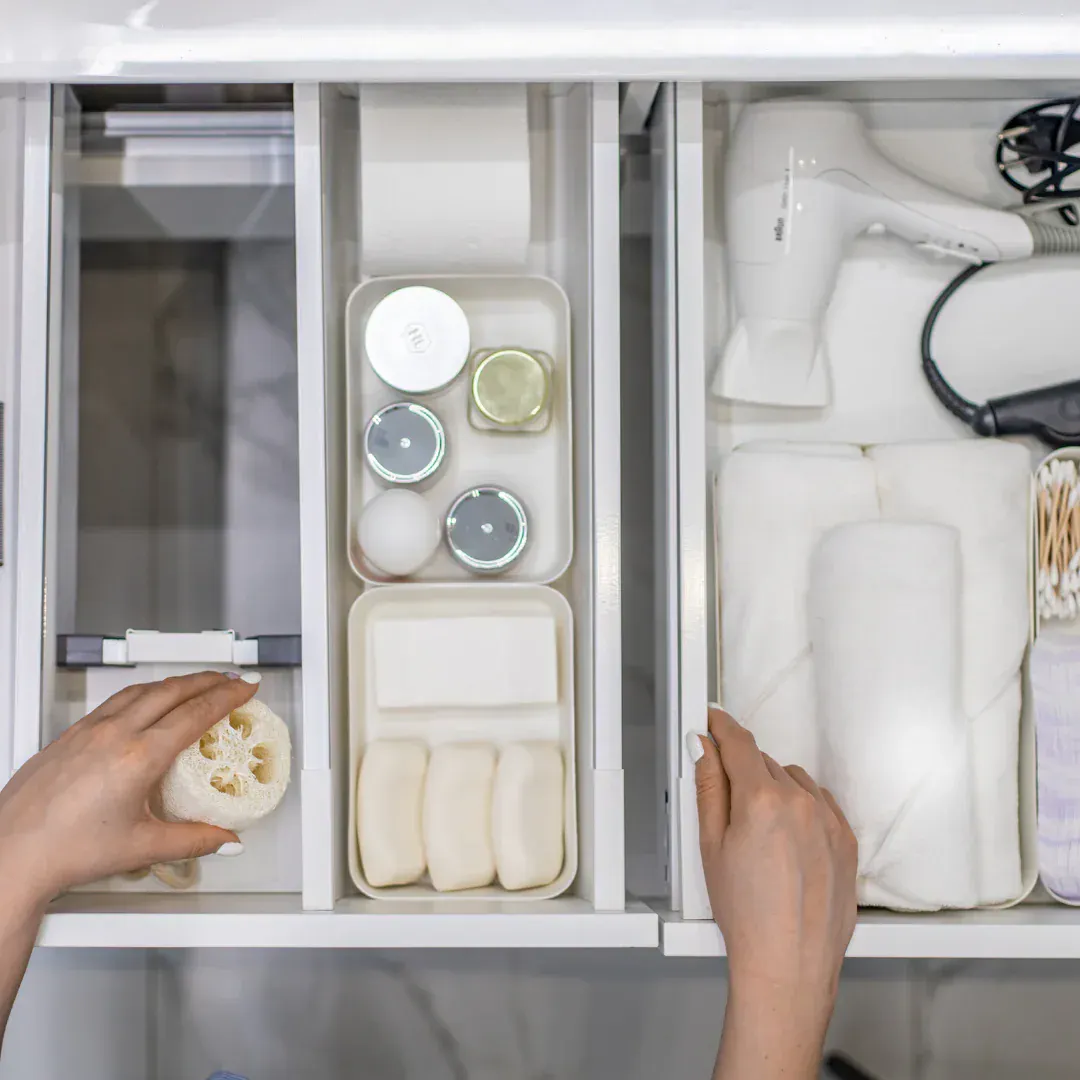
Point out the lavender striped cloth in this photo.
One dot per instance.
(1055, 685)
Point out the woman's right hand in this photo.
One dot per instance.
(780, 863)
(81, 809)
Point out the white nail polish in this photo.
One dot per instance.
(693, 745)
(252, 677)
(233, 847)
(716, 705)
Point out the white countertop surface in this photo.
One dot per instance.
(297, 40)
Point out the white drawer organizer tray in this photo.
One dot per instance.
(503, 310)
(269, 554)
(1053, 625)
(946, 134)
(552, 723)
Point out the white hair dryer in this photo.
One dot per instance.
(802, 181)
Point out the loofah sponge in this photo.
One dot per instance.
(234, 775)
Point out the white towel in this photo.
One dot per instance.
(774, 503)
(885, 625)
(981, 488)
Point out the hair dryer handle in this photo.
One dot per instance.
(927, 216)
(1051, 413)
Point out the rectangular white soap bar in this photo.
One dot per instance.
(469, 662)
(389, 805)
(457, 816)
(527, 815)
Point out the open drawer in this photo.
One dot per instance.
(573, 134)
(178, 465)
(945, 133)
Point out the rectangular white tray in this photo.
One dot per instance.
(1069, 453)
(551, 723)
(524, 311)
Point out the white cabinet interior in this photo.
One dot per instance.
(181, 364)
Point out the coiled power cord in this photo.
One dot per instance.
(1039, 138)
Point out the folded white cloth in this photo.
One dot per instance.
(774, 504)
(885, 625)
(980, 488)
(1055, 688)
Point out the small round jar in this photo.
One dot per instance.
(510, 387)
(487, 529)
(404, 443)
(398, 532)
(417, 339)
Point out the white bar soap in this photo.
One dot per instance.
(389, 802)
(457, 816)
(527, 815)
(486, 661)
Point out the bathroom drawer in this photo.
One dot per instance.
(245, 527)
(944, 132)
(574, 135)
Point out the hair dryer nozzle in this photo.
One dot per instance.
(774, 362)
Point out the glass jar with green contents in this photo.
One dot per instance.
(510, 390)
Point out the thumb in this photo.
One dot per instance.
(164, 841)
(713, 793)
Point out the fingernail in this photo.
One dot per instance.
(252, 677)
(233, 847)
(716, 705)
(693, 745)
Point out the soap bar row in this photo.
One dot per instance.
(465, 815)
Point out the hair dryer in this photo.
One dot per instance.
(802, 181)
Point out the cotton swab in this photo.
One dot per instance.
(1058, 544)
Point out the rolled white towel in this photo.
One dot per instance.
(982, 489)
(775, 501)
(885, 626)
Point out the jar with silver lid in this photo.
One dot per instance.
(404, 443)
(487, 529)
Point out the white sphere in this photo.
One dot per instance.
(399, 532)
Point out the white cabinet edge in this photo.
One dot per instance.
(576, 927)
(1021, 933)
(314, 43)
(29, 421)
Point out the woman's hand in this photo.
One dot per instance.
(780, 862)
(81, 809)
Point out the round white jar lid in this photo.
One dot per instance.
(417, 339)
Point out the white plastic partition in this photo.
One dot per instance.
(12, 112)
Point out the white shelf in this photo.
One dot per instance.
(273, 922)
(1028, 932)
(329, 40)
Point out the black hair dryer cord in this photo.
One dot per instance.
(1050, 413)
